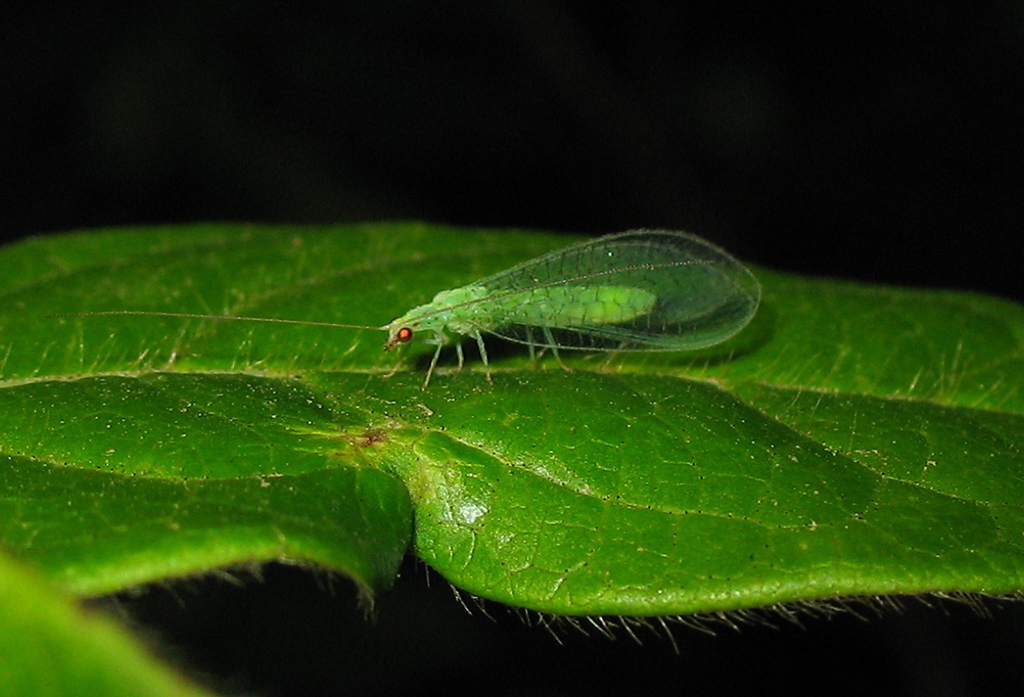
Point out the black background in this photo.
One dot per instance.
(875, 143)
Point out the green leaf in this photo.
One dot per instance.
(853, 440)
(50, 647)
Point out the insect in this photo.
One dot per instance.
(643, 290)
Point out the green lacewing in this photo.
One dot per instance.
(642, 290)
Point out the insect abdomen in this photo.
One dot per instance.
(575, 306)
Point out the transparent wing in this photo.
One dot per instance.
(640, 290)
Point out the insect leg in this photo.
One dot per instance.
(483, 353)
(537, 348)
(612, 355)
(531, 346)
(394, 368)
(554, 349)
(433, 362)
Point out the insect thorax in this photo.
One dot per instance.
(458, 310)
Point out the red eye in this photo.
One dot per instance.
(403, 335)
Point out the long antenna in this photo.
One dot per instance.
(228, 318)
